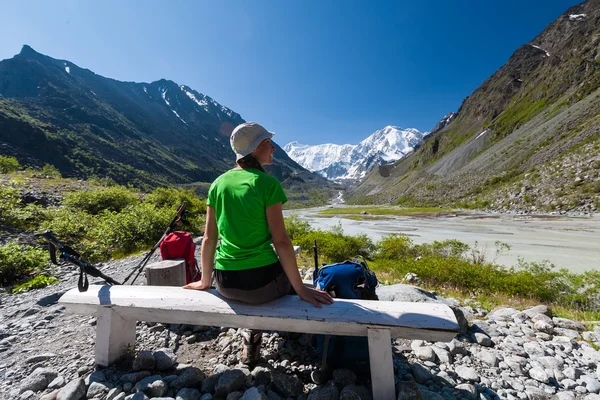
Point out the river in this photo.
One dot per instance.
(566, 242)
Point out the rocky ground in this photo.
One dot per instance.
(49, 354)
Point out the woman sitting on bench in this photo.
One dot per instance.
(244, 210)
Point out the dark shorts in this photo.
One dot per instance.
(254, 286)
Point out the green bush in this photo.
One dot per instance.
(394, 246)
(39, 282)
(113, 198)
(296, 228)
(11, 199)
(172, 198)
(135, 228)
(17, 261)
(8, 164)
(50, 171)
(334, 246)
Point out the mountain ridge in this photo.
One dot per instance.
(145, 134)
(526, 139)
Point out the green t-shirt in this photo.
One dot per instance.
(240, 198)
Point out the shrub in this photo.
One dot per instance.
(394, 246)
(50, 171)
(8, 164)
(296, 228)
(137, 227)
(335, 246)
(11, 199)
(172, 198)
(17, 261)
(113, 198)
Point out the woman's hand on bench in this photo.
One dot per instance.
(198, 285)
(315, 297)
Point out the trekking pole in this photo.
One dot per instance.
(68, 254)
(316, 256)
(174, 222)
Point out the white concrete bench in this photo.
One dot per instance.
(119, 307)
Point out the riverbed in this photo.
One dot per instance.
(566, 242)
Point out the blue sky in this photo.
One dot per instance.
(327, 71)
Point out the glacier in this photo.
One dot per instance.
(350, 163)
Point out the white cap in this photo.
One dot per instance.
(246, 137)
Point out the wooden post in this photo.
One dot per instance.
(382, 367)
(114, 334)
(166, 273)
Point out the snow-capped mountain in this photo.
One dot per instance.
(347, 162)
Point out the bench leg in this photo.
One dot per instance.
(114, 335)
(382, 367)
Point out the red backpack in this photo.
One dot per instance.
(180, 244)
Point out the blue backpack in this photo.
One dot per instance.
(351, 279)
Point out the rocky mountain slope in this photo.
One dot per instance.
(146, 134)
(501, 354)
(351, 163)
(527, 139)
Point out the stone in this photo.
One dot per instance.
(502, 314)
(287, 385)
(355, 392)
(541, 309)
(570, 333)
(98, 389)
(344, 377)
(572, 373)
(164, 359)
(488, 358)
(144, 361)
(408, 390)
(114, 393)
(38, 380)
(254, 394)
(208, 384)
(551, 362)
(327, 392)
(147, 386)
(429, 395)
(234, 395)
(539, 374)
(262, 375)
(134, 377)
(58, 382)
(467, 374)
(50, 396)
(535, 393)
(568, 384)
(568, 324)
(73, 390)
(467, 391)
(534, 349)
(425, 353)
(230, 381)
(420, 373)
(442, 355)
(39, 358)
(482, 339)
(543, 326)
(591, 383)
(190, 377)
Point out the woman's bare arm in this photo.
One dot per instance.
(209, 246)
